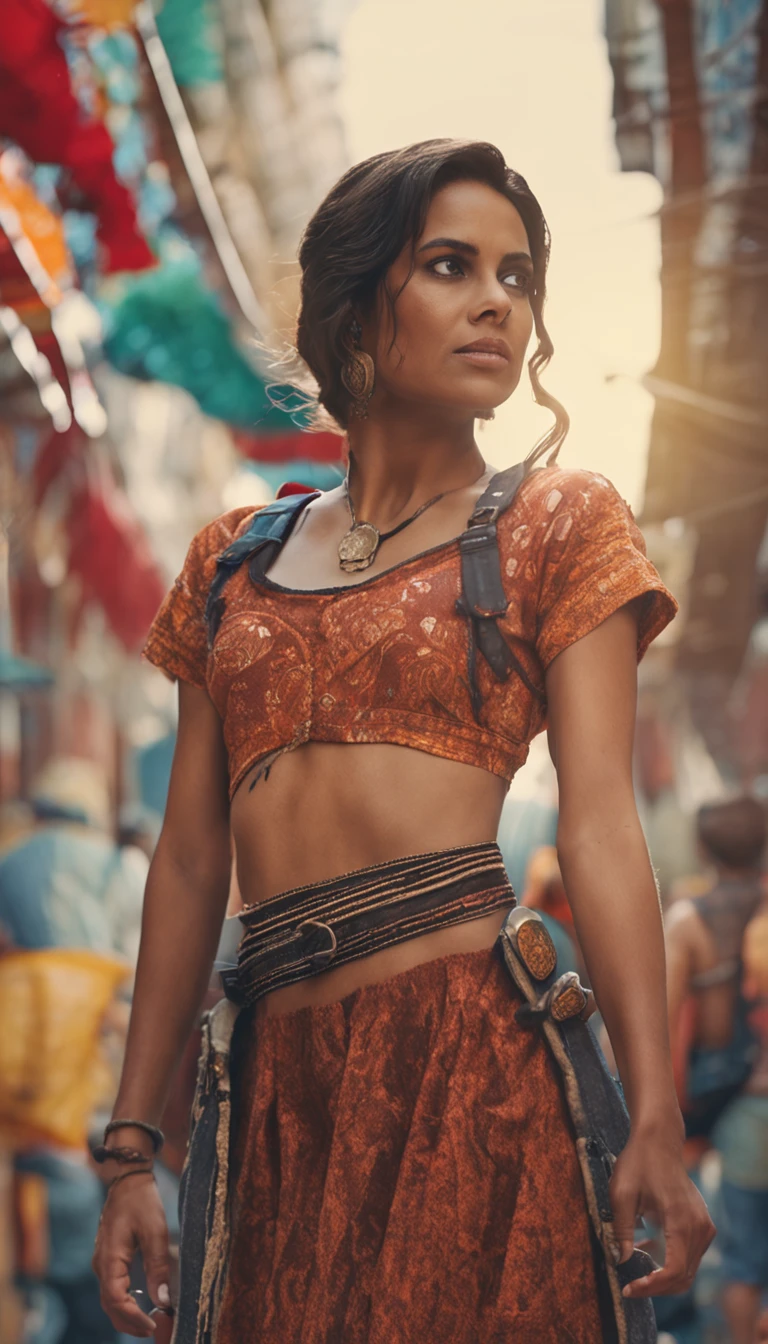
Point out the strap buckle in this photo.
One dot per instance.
(322, 957)
(487, 514)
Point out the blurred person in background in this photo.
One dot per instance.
(722, 1081)
(65, 883)
(352, 736)
(741, 1135)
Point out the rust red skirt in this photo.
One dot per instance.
(403, 1171)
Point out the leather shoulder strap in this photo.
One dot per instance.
(267, 532)
(498, 495)
(483, 599)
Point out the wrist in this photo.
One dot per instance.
(661, 1124)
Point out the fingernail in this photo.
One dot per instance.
(614, 1251)
(163, 1295)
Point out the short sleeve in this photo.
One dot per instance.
(592, 561)
(177, 642)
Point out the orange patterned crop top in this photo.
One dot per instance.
(384, 660)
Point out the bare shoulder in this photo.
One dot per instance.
(684, 928)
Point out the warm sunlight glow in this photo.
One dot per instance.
(533, 77)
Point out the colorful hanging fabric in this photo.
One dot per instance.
(41, 228)
(167, 326)
(110, 555)
(108, 549)
(298, 445)
(39, 111)
(104, 13)
(32, 308)
(192, 39)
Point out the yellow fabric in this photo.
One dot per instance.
(105, 13)
(52, 1003)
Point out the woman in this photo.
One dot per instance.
(402, 1165)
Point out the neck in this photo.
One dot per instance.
(398, 462)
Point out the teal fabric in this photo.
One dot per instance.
(566, 952)
(320, 475)
(741, 1137)
(191, 35)
(744, 1235)
(524, 827)
(166, 325)
(65, 886)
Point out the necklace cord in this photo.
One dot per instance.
(384, 536)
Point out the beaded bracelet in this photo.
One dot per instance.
(155, 1134)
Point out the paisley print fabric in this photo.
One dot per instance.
(403, 1172)
(384, 660)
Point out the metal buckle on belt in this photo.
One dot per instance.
(325, 954)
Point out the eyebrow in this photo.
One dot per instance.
(472, 251)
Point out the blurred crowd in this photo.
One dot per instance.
(71, 890)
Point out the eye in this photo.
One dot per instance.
(446, 261)
(521, 280)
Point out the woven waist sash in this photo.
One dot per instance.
(302, 932)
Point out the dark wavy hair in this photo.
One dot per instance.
(372, 213)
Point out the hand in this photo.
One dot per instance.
(650, 1178)
(133, 1217)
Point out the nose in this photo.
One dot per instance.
(493, 300)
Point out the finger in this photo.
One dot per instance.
(123, 1311)
(675, 1275)
(164, 1322)
(156, 1258)
(624, 1204)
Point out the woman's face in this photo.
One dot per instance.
(471, 282)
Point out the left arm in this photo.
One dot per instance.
(592, 692)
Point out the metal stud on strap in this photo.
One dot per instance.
(565, 999)
(532, 941)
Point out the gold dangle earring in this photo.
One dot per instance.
(357, 372)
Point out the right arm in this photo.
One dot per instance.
(184, 906)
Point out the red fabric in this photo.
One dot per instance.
(39, 111)
(404, 1171)
(53, 454)
(288, 447)
(294, 488)
(110, 554)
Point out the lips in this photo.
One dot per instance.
(486, 351)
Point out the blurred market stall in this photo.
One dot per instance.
(690, 106)
(157, 164)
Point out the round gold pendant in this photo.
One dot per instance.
(358, 547)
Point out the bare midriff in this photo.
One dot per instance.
(327, 809)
